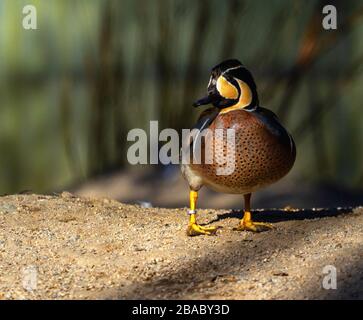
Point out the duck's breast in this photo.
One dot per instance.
(261, 153)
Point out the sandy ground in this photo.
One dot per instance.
(68, 247)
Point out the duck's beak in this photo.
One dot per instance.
(211, 98)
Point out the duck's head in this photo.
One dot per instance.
(230, 84)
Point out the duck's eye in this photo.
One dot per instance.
(226, 89)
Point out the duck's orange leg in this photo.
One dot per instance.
(246, 222)
(193, 228)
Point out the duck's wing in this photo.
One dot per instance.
(272, 123)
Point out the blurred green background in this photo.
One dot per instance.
(94, 69)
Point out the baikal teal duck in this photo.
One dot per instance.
(261, 152)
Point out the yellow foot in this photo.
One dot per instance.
(196, 230)
(253, 226)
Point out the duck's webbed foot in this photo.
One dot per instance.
(195, 229)
(246, 224)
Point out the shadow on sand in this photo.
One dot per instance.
(280, 215)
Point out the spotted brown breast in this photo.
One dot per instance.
(261, 153)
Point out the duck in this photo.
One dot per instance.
(258, 152)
